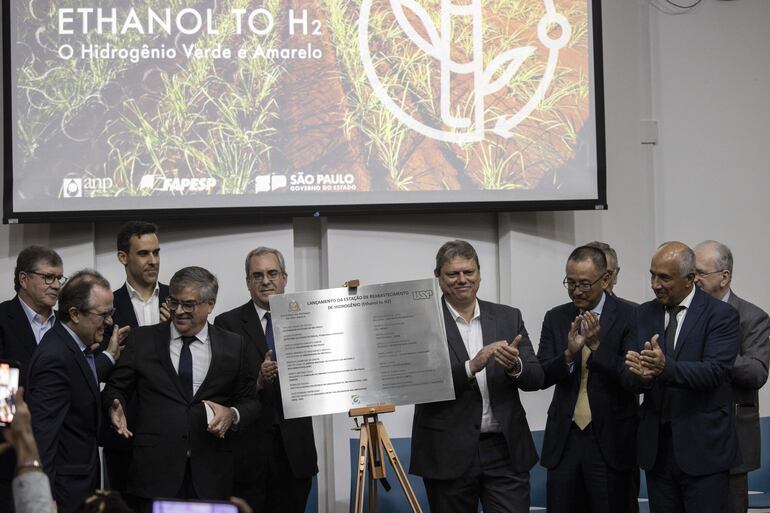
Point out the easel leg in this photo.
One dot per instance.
(398, 469)
(363, 456)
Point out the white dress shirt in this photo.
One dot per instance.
(474, 342)
(200, 350)
(261, 313)
(39, 325)
(147, 312)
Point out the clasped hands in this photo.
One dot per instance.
(649, 363)
(504, 353)
(584, 331)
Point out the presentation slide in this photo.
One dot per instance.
(116, 105)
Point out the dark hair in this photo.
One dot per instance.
(453, 249)
(28, 260)
(105, 501)
(195, 276)
(76, 293)
(595, 255)
(133, 228)
(263, 250)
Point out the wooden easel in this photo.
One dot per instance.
(373, 439)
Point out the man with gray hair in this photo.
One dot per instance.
(183, 443)
(63, 388)
(477, 447)
(687, 344)
(277, 458)
(714, 274)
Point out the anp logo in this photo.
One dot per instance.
(462, 123)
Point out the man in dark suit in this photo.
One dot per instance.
(590, 436)
(63, 389)
(277, 457)
(478, 446)
(139, 302)
(686, 439)
(24, 320)
(713, 274)
(193, 383)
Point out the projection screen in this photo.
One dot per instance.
(300, 106)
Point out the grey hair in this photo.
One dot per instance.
(724, 257)
(195, 277)
(264, 250)
(453, 249)
(609, 253)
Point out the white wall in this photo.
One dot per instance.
(704, 76)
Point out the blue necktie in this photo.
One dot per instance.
(185, 367)
(91, 362)
(269, 335)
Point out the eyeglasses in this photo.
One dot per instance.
(584, 286)
(272, 275)
(48, 279)
(187, 306)
(104, 315)
(703, 274)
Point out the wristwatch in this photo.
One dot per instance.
(30, 465)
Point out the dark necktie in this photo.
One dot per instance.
(669, 339)
(186, 367)
(269, 335)
(91, 362)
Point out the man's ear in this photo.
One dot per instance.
(123, 257)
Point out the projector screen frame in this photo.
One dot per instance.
(11, 216)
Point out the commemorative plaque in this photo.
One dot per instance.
(343, 348)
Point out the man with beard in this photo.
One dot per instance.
(139, 302)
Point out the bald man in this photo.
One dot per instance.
(686, 440)
(714, 275)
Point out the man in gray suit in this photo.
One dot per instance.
(713, 274)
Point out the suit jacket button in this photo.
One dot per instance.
(188, 453)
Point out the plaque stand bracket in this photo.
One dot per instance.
(373, 444)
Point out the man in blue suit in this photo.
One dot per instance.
(686, 441)
(589, 444)
(63, 389)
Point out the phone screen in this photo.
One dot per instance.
(9, 383)
(179, 506)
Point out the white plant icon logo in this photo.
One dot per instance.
(438, 45)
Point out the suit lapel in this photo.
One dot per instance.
(124, 306)
(252, 328)
(80, 358)
(453, 337)
(162, 341)
(691, 318)
(21, 324)
(216, 354)
(488, 333)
